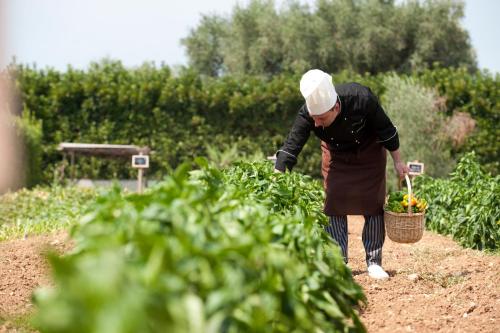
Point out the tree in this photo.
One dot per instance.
(253, 42)
(361, 35)
(440, 37)
(204, 45)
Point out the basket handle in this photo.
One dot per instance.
(408, 183)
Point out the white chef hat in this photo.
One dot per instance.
(317, 88)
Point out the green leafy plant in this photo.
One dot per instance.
(236, 250)
(42, 209)
(466, 205)
(223, 155)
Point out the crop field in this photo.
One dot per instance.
(240, 249)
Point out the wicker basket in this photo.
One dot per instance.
(405, 227)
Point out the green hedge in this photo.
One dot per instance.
(180, 115)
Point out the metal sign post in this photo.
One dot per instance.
(140, 162)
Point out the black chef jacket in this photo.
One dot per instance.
(361, 119)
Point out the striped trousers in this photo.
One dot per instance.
(373, 236)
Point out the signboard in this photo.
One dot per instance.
(416, 168)
(140, 161)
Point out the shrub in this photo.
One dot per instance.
(466, 205)
(477, 94)
(29, 131)
(421, 126)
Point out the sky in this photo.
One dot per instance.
(55, 33)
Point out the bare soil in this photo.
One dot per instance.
(23, 269)
(434, 285)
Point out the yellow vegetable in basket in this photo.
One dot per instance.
(398, 203)
(422, 205)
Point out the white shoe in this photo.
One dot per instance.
(377, 272)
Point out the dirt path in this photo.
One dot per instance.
(435, 285)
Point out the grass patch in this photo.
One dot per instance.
(42, 210)
(19, 323)
(444, 280)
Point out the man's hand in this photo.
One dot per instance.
(401, 169)
(399, 166)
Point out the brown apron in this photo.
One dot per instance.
(354, 181)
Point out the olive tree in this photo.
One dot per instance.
(363, 35)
